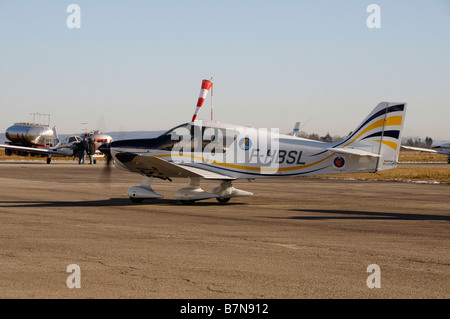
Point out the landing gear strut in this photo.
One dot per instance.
(223, 193)
(193, 192)
(187, 195)
(138, 193)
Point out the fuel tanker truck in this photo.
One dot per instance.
(28, 135)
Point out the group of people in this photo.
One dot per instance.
(86, 147)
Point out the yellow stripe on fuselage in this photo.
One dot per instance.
(270, 169)
(253, 168)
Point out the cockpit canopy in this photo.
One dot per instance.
(199, 136)
(73, 139)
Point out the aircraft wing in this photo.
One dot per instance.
(155, 166)
(352, 151)
(48, 151)
(426, 150)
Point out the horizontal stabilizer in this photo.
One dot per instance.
(429, 150)
(419, 149)
(352, 151)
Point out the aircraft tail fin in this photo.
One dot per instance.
(380, 133)
(296, 129)
(55, 140)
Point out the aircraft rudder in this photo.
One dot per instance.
(380, 133)
(55, 137)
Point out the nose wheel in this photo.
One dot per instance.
(223, 200)
(138, 193)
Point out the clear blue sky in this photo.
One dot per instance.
(138, 65)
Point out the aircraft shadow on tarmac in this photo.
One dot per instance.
(112, 202)
(365, 215)
(123, 202)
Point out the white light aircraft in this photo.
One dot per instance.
(211, 150)
(440, 149)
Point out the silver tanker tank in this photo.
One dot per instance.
(27, 134)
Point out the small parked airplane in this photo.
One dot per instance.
(224, 152)
(440, 149)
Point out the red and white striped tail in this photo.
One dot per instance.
(206, 85)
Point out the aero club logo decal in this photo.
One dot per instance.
(245, 143)
(339, 162)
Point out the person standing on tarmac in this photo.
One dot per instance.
(91, 151)
(83, 147)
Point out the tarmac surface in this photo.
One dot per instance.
(295, 238)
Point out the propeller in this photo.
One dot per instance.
(105, 148)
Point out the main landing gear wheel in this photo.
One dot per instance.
(187, 202)
(49, 160)
(136, 200)
(223, 200)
